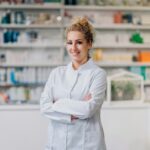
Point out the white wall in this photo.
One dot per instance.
(22, 130)
(148, 124)
(126, 129)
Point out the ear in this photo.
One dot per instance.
(90, 45)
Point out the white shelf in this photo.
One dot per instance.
(113, 105)
(123, 45)
(121, 64)
(146, 82)
(30, 65)
(20, 107)
(29, 45)
(126, 105)
(101, 64)
(73, 7)
(119, 26)
(21, 84)
(32, 26)
(31, 6)
(43, 45)
(122, 26)
(108, 8)
(102, 26)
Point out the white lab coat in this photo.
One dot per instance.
(68, 88)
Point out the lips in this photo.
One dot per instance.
(75, 54)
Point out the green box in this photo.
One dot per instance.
(140, 70)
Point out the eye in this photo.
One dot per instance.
(79, 42)
(69, 42)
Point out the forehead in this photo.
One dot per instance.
(75, 35)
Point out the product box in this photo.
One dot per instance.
(140, 70)
(144, 56)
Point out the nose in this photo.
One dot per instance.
(74, 47)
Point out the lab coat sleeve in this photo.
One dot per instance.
(85, 109)
(46, 103)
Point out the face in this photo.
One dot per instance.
(77, 47)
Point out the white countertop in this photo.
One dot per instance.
(112, 105)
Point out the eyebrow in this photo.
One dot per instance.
(75, 40)
(80, 39)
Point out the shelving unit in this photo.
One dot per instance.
(21, 117)
(46, 31)
(54, 35)
(116, 29)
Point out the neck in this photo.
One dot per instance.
(76, 64)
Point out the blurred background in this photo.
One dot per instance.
(32, 43)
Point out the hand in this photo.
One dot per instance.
(74, 118)
(54, 101)
(87, 97)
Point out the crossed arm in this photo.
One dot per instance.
(66, 110)
(86, 98)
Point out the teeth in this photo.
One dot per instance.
(76, 53)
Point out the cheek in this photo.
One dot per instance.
(86, 52)
(68, 48)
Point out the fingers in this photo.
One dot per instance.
(54, 101)
(74, 118)
(88, 97)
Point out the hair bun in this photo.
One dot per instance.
(83, 25)
(81, 20)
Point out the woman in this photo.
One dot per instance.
(73, 95)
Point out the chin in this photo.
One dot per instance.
(75, 58)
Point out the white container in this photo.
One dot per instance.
(125, 86)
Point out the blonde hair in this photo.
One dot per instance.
(82, 25)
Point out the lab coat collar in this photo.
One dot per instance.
(89, 64)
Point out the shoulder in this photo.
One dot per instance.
(60, 70)
(100, 76)
(56, 73)
(98, 71)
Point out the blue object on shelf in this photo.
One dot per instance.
(7, 36)
(12, 77)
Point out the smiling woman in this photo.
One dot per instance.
(79, 37)
(73, 95)
(78, 48)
